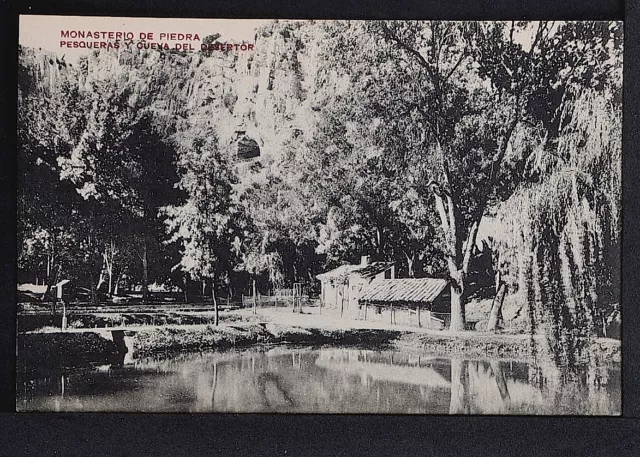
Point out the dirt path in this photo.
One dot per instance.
(314, 320)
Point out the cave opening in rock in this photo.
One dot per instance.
(246, 147)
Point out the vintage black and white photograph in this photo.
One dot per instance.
(299, 216)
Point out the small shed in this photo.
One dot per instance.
(410, 296)
(342, 286)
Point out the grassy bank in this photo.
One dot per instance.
(468, 344)
(176, 339)
(471, 344)
(504, 346)
(78, 349)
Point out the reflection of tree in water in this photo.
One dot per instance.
(215, 384)
(500, 380)
(490, 387)
(471, 384)
(271, 378)
(460, 403)
(327, 381)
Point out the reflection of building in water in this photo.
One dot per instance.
(373, 366)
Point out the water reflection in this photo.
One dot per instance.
(318, 381)
(493, 387)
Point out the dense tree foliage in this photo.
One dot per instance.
(204, 223)
(395, 139)
(49, 221)
(471, 102)
(95, 170)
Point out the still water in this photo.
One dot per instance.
(327, 380)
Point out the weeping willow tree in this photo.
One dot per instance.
(561, 244)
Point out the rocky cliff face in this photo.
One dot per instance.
(40, 71)
(269, 95)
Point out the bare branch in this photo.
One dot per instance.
(463, 54)
(513, 25)
(542, 25)
(413, 52)
(509, 72)
(436, 188)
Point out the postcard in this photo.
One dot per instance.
(316, 216)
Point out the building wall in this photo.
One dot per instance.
(402, 316)
(335, 295)
(357, 284)
(442, 304)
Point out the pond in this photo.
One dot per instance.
(317, 380)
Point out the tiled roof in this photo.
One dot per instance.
(366, 271)
(404, 290)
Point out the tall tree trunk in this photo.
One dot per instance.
(379, 243)
(458, 303)
(51, 278)
(100, 278)
(94, 293)
(496, 308)
(215, 302)
(117, 284)
(96, 272)
(51, 281)
(460, 249)
(458, 256)
(95, 256)
(145, 270)
(48, 293)
(254, 295)
(109, 257)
